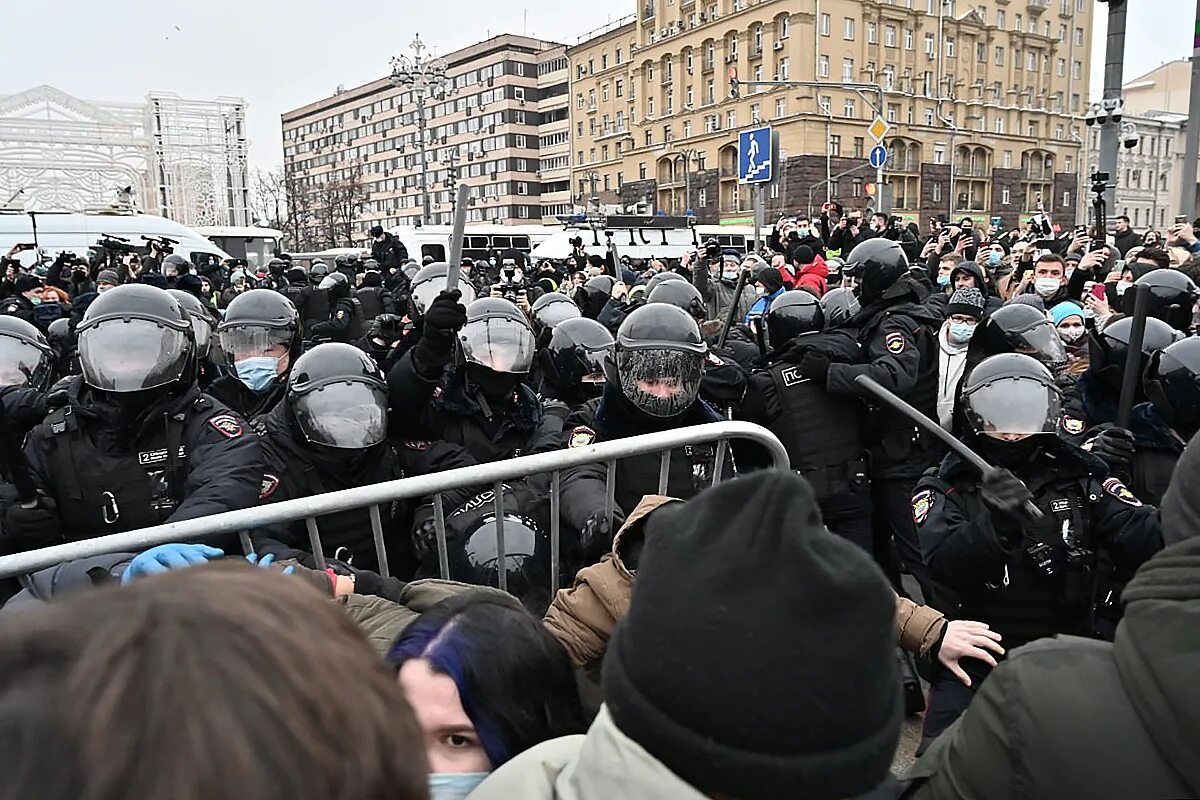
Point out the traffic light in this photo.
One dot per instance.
(734, 84)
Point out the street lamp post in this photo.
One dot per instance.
(425, 77)
(687, 154)
(452, 178)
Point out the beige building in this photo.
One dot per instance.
(983, 103)
(554, 134)
(353, 160)
(1166, 88)
(1149, 185)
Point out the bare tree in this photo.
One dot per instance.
(269, 198)
(301, 214)
(342, 202)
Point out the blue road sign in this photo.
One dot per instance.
(754, 156)
(878, 156)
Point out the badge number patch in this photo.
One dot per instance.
(1118, 490)
(227, 425)
(922, 502)
(894, 342)
(581, 436)
(1072, 426)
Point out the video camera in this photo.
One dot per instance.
(160, 244)
(712, 249)
(511, 280)
(116, 244)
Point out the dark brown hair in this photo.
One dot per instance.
(220, 681)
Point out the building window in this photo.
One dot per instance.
(893, 112)
(856, 187)
(784, 65)
(908, 39)
(1067, 199)
(848, 69)
(731, 119)
(929, 48)
(848, 29)
(649, 138)
(711, 91)
(872, 33)
(687, 129)
(889, 35)
(702, 198)
(999, 124)
(848, 110)
(784, 27)
(859, 143)
(642, 171)
(949, 47)
(522, 187)
(937, 193)
(981, 52)
(604, 92)
(519, 140)
(755, 113)
(1000, 19)
(618, 55)
(620, 89)
(824, 24)
(1005, 196)
(1076, 70)
(1007, 159)
(939, 153)
(835, 145)
(822, 67)
(780, 108)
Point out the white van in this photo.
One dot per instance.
(479, 240)
(79, 233)
(256, 245)
(644, 242)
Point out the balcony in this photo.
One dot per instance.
(1036, 7)
(962, 170)
(648, 11)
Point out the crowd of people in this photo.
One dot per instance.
(728, 628)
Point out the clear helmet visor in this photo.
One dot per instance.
(349, 415)
(202, 330)
(500, 344)
(1014, 406)
(253, 341)
(1040, 341)
(21, 363)
(660, 381)
(425, 292)
(130, 355)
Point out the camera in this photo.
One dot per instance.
(511, 280)
(712, 249)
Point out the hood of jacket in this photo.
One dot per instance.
(1155, 651)
(975, 271)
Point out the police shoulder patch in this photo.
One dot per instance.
(1118, 490)
(269, 484)
(922, 502)
(581, 436)
(1072, 425)
(227, 425)
(894, 342)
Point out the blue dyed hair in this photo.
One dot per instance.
(514, 679)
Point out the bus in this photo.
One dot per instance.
(656, 238)
(479, 241)
(253, 244)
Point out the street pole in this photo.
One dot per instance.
(687, 183)
(424, 77)
(759, 217)
(1110, 132)
(424, 161)
(1192, 139)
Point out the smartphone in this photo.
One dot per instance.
(1180, 219)
(1097, 290)
(1118, 265)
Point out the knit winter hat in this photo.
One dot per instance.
(1066, 309)
(968, 301)
(25, 282)
(756, 660)
(1029, 300)
(108, 276)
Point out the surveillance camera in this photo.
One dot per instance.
(1130, 142)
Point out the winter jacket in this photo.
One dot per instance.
(718, 294)
(1126, 241)
(951, 362)
(811, 278)
(1069, 717)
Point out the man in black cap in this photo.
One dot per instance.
(389, 251)
(24, 297)
(703, 697)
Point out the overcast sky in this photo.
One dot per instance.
(281, 54)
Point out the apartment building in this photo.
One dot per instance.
(983, 104)
(354, 159)
(554, 146)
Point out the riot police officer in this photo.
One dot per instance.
(330, 433)
(821, 432)
(1027, 574)
(372, 298)
(840, 306)
(137, 444)
(595, 294)
(315, 308)
(898, 336)
(482, 402)
(276, 279)
(1172, 298)
(260, 339)
(204, 326)
(652, 384)
(345, 320)
(572, 363)
(549, 310)
(27, 369)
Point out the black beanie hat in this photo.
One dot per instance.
(1180, 508)
(757, 658)
(25, 282)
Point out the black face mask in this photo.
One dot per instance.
(497, 387)
(1009, 454)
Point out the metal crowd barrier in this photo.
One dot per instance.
(243, 521)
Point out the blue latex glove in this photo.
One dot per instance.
(167, 557)
(266, 561)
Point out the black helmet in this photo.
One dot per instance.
(317, 272)
(203, 324)
(135, 337)
(340, 261)
(878, 264)
(410, 270)
(1172, 297)
(429, 282)
(659, 359)
(550, 310)
(1172, 384)
(682, 295)
(177, 263)
(276, 266)
(257, 324)
(26, 358)
(1018, 328)
(1011, 394)
(573, 362)
(497, 336)
(594, 294)
(338, 397)
(58, 334)
(297, 274)
(336, 284)
(840, 306)
(526, 557)
(792, 314)
(666, 276)
(1109, 349)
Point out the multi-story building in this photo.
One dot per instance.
(1158, 105)
(554, 146)
(354, 160)
(1149, 184)
(183, 159)
(982, 102)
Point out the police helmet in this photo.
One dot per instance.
(573, 362)
(1172, 384)
(26, 358)
(297, 275)
(336, 284)
(260, 323)
(840, 306)
(1018, 328)
(58, 334)
(1011, 394)
(878, 264)
(550, 310)
(526, 557)
(203, 324)
(658, 360)
(497, 336)
(341, 260)
(666, 276)
(794, 313)
(602, 284)
(317, 272)
(276, 266)
(135, 337)
(410, 270)
(681, 294)
(175, 264)
(1172, 297)
(338, 397)
(429, 282)
(1109, 349)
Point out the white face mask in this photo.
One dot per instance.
(1046, 287)
(1122, 286)
(1071, 333)
(760, 290)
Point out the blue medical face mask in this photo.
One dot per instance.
(961, 332)
(454, 785)
(943, 280)
(994, 259)
(258, 373)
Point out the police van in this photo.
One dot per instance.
(255, 245)
(644, 237)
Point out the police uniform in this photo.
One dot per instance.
(18, 306)
(190, 457)
(338, 326)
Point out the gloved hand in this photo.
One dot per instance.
(444, 317)
(32, 527)
(1004, 493)
(814, 364)
(266, 561)
(166, 557)
(1114, 445)
(596, 535)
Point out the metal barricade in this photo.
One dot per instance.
(243, 521)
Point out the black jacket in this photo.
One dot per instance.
(237, 396)
(294, 468)
(390, 253)
(17, 305)
(1070, 717)
(108, 474)
(1126, 241)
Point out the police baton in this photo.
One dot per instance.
(889, 399)
(456, 237)
(733, 307)
(1133, 355)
